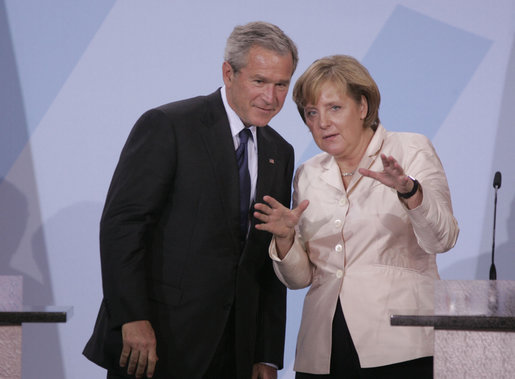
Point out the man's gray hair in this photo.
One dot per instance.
(258, 33)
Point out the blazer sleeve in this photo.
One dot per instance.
(295, 270)
(434, 224)
(138, 191)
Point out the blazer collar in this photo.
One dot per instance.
(331, 172)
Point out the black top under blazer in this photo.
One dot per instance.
(170, 243)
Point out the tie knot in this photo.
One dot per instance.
(244, 135)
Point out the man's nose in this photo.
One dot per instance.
(268, 93)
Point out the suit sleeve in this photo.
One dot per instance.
(140, 186)
(272, 314)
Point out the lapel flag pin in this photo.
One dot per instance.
(271, 160)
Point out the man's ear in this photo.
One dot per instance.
(227, 73)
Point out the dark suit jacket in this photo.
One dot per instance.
(170, 243)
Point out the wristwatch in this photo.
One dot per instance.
(413, 191)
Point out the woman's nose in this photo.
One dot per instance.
(323, 121)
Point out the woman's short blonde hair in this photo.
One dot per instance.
(348, 74)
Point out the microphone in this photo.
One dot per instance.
(497, 180)
(497, 185)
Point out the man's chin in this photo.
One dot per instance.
(262, 121)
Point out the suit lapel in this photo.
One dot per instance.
(267, 156)
(217, 138)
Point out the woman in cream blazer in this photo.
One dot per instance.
(362, 234)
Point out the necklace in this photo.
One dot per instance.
(347, 173)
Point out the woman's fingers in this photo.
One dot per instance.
(301, 208)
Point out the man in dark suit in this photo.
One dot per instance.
(189, 291)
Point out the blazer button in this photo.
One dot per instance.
(337, 223)
(339, 274)
(338, 248)
(342, 201)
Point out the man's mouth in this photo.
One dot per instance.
(268, 110)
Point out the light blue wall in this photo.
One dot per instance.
(76, 75)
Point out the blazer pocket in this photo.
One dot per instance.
(165, 294)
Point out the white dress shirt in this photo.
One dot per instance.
(236, 127)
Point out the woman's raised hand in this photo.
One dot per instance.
(392, 175)
(279, 220)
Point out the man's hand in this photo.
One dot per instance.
(139, 348)
(262, 371)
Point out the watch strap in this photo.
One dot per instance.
(413, 191)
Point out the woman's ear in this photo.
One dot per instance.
(363, 107)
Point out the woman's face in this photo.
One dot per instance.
(336, 122)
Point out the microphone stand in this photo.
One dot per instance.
(497, 184)
(493, 272)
